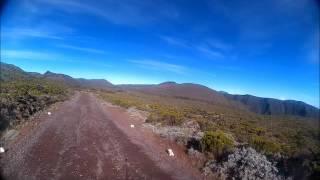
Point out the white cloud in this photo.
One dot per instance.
(84, 49)
(28, 32)
(125, 12)
(209, 49)
(34, 55)
(219, 45)
(27, 54)
(47, 30)
(313, 48)
(210, 52)
(159, 65)
(174, 41)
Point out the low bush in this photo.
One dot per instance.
(158, 113)
(262, 144)
(216, 142)
(21, 99)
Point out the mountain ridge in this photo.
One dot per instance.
(259, 105)
(12, 72)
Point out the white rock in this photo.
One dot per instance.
(132, 126)
(170, 152)
(49, 113)
(2, 150)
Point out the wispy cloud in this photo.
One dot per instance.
(229, 68)
(28, 32)
(312, 47)
(34, 55)
(218, 44)
(175, 41)
(211, 49)
(125, 12)
(84, 49)
(27, 54)
(210, 52)
(47, 30)
(160, 66)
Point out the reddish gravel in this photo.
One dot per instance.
(86, 139)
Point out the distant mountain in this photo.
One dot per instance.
(272, 106)
(183, 91)
(11, 72)
(35, 74)
(95, 83)
(267, 106)
(62, 78)
(254, 104)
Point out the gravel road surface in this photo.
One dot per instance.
(81, 140)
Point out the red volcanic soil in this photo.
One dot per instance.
(85, 138)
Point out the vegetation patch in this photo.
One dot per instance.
(216, 142)
(264, 145)
(20, 99)
(286, 139)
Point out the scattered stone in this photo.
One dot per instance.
(132, 126)
(170, 152)
(2, 150)
(49, 113)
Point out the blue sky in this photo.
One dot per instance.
(265, 48)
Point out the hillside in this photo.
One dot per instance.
(266, 106)
(184, 91)
(270, 106)
(78, 82)
(10, 72)
(95, 83)
(23, 94)
(68, 80)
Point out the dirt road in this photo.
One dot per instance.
(84, 139)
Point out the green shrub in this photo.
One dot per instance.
(32, 87)
(216, 142)
(315, 167)
(166, 115)
(21, 99)
(152, 118)
(262, 144)
(171, 116)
